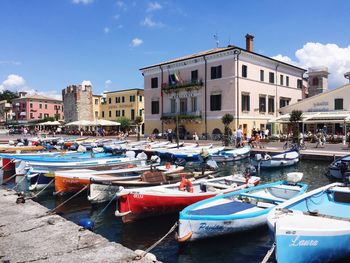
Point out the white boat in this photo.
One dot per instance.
(334, 170)
(284, 159)
(234, 212)
(104, 190)
(232, 155)
(313, 227)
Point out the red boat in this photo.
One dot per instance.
(137, 203)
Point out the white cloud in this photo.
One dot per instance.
(285, 59)
(106, 30)
(17, 83)
(108, 82)
(13, 82)
(336, 58)
(149, 22)
(86, 83)
(153, 6)
(136, 42)
(121, 4)
(10, 62)
(84, 2)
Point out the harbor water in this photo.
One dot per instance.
(244, 247)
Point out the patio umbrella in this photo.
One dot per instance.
(106, 123)
(52, 123)
(81, 123)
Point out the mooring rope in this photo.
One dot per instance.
(8, 179)
(269, 253)
(42, 190)
(104, 209)
(157, 243)
(70, 198)
(16, 185)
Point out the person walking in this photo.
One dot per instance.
(239, 135)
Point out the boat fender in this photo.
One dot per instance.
(87, 223)
(186, 185)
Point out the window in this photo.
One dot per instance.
(262, 75)
(96, 101)
(40, 106)
(123, 113)
(216, 72)
(183, 105)
(123, 99)
(284, 102)
(96, 114)
(338, 104)
(31, 105)
(281, 80)
(299, 84)
(109, 100)
(173, 105)
(287, 81)
(40, 115)
(244, 71)
(110, 113)
(262, 104)
(194, 104)
(315, 81)
(46, 115)
(173, 79)
(117, 99)
(103, 114)
(140, 113)
(271, 108)
(32, 115)
(245, 102)
(155, 107)
(132, 114)
(215, 102)
(140, 98)
(154, 83)
(117, 113)
(132, 98)
(271, 77)
(46, 106)
(194, 76)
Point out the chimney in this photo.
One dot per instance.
(249, 42)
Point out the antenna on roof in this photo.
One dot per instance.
(216, 37)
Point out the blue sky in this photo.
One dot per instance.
(47, 45)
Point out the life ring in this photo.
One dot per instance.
(186, 185)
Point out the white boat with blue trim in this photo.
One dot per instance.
(284, 159)
(313, 227)
(237, 211)
(232, 155)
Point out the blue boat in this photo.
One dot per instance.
(313, 227)
(236, 212)
(232, 155)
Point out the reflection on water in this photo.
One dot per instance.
(244, 247)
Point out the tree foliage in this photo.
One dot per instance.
(294, 120)
(8, 95)
(124, 123)
(226, 120)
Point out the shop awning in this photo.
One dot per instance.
(317, 117)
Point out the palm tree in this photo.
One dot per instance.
(226, 120)
(294, 120)
(138, 121)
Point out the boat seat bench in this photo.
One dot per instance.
(223, 209)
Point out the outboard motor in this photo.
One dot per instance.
(118, 151)
(345, 172)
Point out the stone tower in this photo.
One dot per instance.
(77, 101)
(318, 80)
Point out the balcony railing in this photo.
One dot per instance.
(188, 85)
(182, 115)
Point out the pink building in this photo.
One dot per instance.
(36, 107)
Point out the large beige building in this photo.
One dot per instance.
(202, 87)
(127, 103)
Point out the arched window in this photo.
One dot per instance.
(155, 131)
(217, 131)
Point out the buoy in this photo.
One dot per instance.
(87, 223)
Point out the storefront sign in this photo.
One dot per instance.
(320, 106)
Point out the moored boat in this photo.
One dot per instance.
(313, 227)
(284, 159)
(237, 211)
(232, 155)
(334, 170)
(134, 204)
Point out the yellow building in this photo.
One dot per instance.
(122, 103)
(96, 106)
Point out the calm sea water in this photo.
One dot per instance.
(245, 247)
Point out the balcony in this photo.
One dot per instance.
(191, 116)
(187, 85)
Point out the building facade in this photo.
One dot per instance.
(78, 103)
(35, 107)
(96, 106)
(127, 103)
(317, 80)
(330, 109)
(199, 89)
(5, 111)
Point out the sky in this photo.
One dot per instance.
(46, 45)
